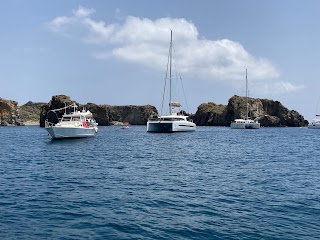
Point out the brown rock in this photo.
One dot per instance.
(268, 112)
(9, 113)
(210, 114)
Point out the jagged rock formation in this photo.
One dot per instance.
(135, 115)
(210, 114)
(268, 112)
(57, 102)
(104, 114)
(107, 114)
(9, 113)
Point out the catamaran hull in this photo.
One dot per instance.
(169, 127)
(245, 125)
(71, 132)
(314, 126)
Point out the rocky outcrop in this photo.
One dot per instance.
(107, 114)
(9, 113)
(104, 114)
(57, 102)
(30, 112)
(210, 114)
(135, 115)
(275, 114)
(268, 112)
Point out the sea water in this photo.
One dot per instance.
(214, 183)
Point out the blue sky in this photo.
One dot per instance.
(115, 52)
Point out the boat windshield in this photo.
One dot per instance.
(167, 119)
(66, 119)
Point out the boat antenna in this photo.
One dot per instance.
(165, 83)
(247, 94)
(317, 107)
(170, 63)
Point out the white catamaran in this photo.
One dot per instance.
(246, 123)
(315, 124)
(175, 121)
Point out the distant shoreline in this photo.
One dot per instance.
(31, 123)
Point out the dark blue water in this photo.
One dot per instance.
(215, 183)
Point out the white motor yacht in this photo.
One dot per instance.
(77, 124)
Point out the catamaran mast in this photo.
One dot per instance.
(246, 95)
(170, 59)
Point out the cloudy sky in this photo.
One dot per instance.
(116, 52)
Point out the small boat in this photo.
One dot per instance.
(77, 124)
(246, 123)
(315, 124)
(125, 125)
(176, 121)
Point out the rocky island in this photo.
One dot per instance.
(268, 112)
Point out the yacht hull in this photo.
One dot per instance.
(168, 127)
(58, 132)
(245, 125)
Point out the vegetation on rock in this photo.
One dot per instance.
(30, 111)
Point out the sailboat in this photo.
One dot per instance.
(175, 121)
(315, 124)
(246, 123)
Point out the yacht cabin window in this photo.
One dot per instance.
(66, 119)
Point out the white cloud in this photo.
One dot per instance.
(145, 42)
(82, 12)
(99, 33)
(277, 87)
(58, 23)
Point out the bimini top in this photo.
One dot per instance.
(78, 114)
(72, 116)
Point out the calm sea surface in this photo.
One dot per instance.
(215, 183)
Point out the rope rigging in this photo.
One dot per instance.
(177, 75)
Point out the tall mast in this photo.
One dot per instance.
(170, 59)
(246, 95)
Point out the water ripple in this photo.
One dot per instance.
(215, 183)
